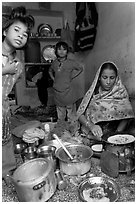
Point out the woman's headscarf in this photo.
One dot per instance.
(108, 105)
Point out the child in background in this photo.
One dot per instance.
(15, 35)
(63, 71)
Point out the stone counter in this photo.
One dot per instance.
(70, 194)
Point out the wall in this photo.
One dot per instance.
(29, 96)
(115, 38)
(115, 41)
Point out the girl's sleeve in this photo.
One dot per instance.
(77, 69)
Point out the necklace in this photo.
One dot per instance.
(61, 64)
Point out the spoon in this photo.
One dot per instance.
(65, 149)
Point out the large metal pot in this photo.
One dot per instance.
(81, 163)
(35, 181)
(123, 145)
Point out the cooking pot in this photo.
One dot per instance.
(35, 180)
(45, 151)
(81, 163)
(123, 145)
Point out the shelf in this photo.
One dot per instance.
(45, 38)
(41, 64)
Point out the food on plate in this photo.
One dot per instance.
(95, 194)
(121, 139)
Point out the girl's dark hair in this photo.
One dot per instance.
(19, 14)
(108, 65)
(61, 44)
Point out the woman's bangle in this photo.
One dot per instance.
(87, 124)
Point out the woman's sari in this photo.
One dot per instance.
(106, 106)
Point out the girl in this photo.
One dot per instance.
(63, 71)
(15, 33)
(105, 109)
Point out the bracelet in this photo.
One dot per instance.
(87, 124)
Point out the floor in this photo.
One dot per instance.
(70, 193)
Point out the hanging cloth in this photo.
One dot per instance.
(85, 29)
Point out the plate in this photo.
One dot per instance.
(121, 139)
(99, 189)
(44, 29)
(48, 53)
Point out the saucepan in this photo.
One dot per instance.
(81, 162)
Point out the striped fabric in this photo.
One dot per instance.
(8, 82)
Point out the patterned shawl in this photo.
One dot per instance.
(107, 105)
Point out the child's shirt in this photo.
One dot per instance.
(64, 72)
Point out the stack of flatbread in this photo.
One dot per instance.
(32, 135)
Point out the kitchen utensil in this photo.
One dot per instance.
(34, 181)
(65, 149)
(48, 152)
(29, 153)
(123, 145)
(44, 29)
(99, 189)
(81, 162)
(19, 148)
(61, 183)
(48, 53)
(97, 149)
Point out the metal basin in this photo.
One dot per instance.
(99, 189)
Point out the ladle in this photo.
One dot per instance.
(65, 149)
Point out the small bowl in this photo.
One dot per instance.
(97, 149)
(45, 150)
(30, 152)
(99, 189)
(19, 148)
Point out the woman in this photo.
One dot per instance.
(105, 109)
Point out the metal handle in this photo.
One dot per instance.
(40, 185)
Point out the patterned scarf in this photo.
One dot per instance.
(107, 105)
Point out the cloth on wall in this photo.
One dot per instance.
(85, 25)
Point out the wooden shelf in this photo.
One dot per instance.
(45, 38)
(41, 64)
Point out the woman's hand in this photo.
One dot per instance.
(97, 131)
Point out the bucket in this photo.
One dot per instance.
(35, 181)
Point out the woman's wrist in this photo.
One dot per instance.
(88, 124)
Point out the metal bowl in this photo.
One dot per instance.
(90, 190)
(45, 150)
(30, 152)
(97, 149)
(19, 148)
(44, 29)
